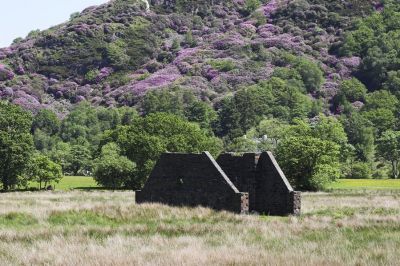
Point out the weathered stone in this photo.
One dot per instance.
(192, 180)
(241, 184)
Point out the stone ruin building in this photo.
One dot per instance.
(241, 184)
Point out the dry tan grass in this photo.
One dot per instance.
(108, 228)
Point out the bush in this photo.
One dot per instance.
(360, 170)
(223, 65)
(251, 5)
(309, 163)
(353, 90)
(112, 170)
(311, 74)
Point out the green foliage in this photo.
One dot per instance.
(46, 121)
(310, 163)
(148, 137)
(277, 97)
(353, 90)
(382, 119)
(16, 144)
(268, 133)
(376, 41)
(251, 5)
(85, 124)
(310, 154)
(380, 109)
(388, 148)
(366, 184)
(74, 15)
(310, 73)
(223, 65)
(42, 170)
(140, 42)
(182, 103)
(176, 46)
(242, 145)
(381, 99)
(201, 113)
(92, 75)
(79, 160)
(189, 39)
(361, 135)
(360, 170)
(112, 170)
(116, 54)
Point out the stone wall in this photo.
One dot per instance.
(192, 180)
(252, 182)
(260, 175)
(274, 194)
(241, 171)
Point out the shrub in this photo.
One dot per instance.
(360, 170)
(251, 5)
(112, 170)
(223, 65)
(310, 163)
(311, 74)
(353, 90)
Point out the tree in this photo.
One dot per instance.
(269, 132)
(353, 90)
(201, 113)
(310, 163)
(47, 121)
(148, 137)
(360, 133)
(242, 144)
(381, 99)
(111, 169)
(311, 74)
(16, 144)
(79, 161)
(42, 170)
(388, 147)
(382, 118)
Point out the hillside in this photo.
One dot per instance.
(113, 54)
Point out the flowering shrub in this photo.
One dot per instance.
(5, 73)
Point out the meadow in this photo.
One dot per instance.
(365, 184)
(88, 183)
(108, 228)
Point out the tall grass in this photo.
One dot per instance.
(108, 228)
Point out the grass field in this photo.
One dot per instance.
(108, 228)
(367, 184)
(73, 182)
(87, 183)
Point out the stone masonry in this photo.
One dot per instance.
(240, 184)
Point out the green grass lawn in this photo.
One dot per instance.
(369, 184)
(85, 182)
(74, 182)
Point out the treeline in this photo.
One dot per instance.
(119, 146)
